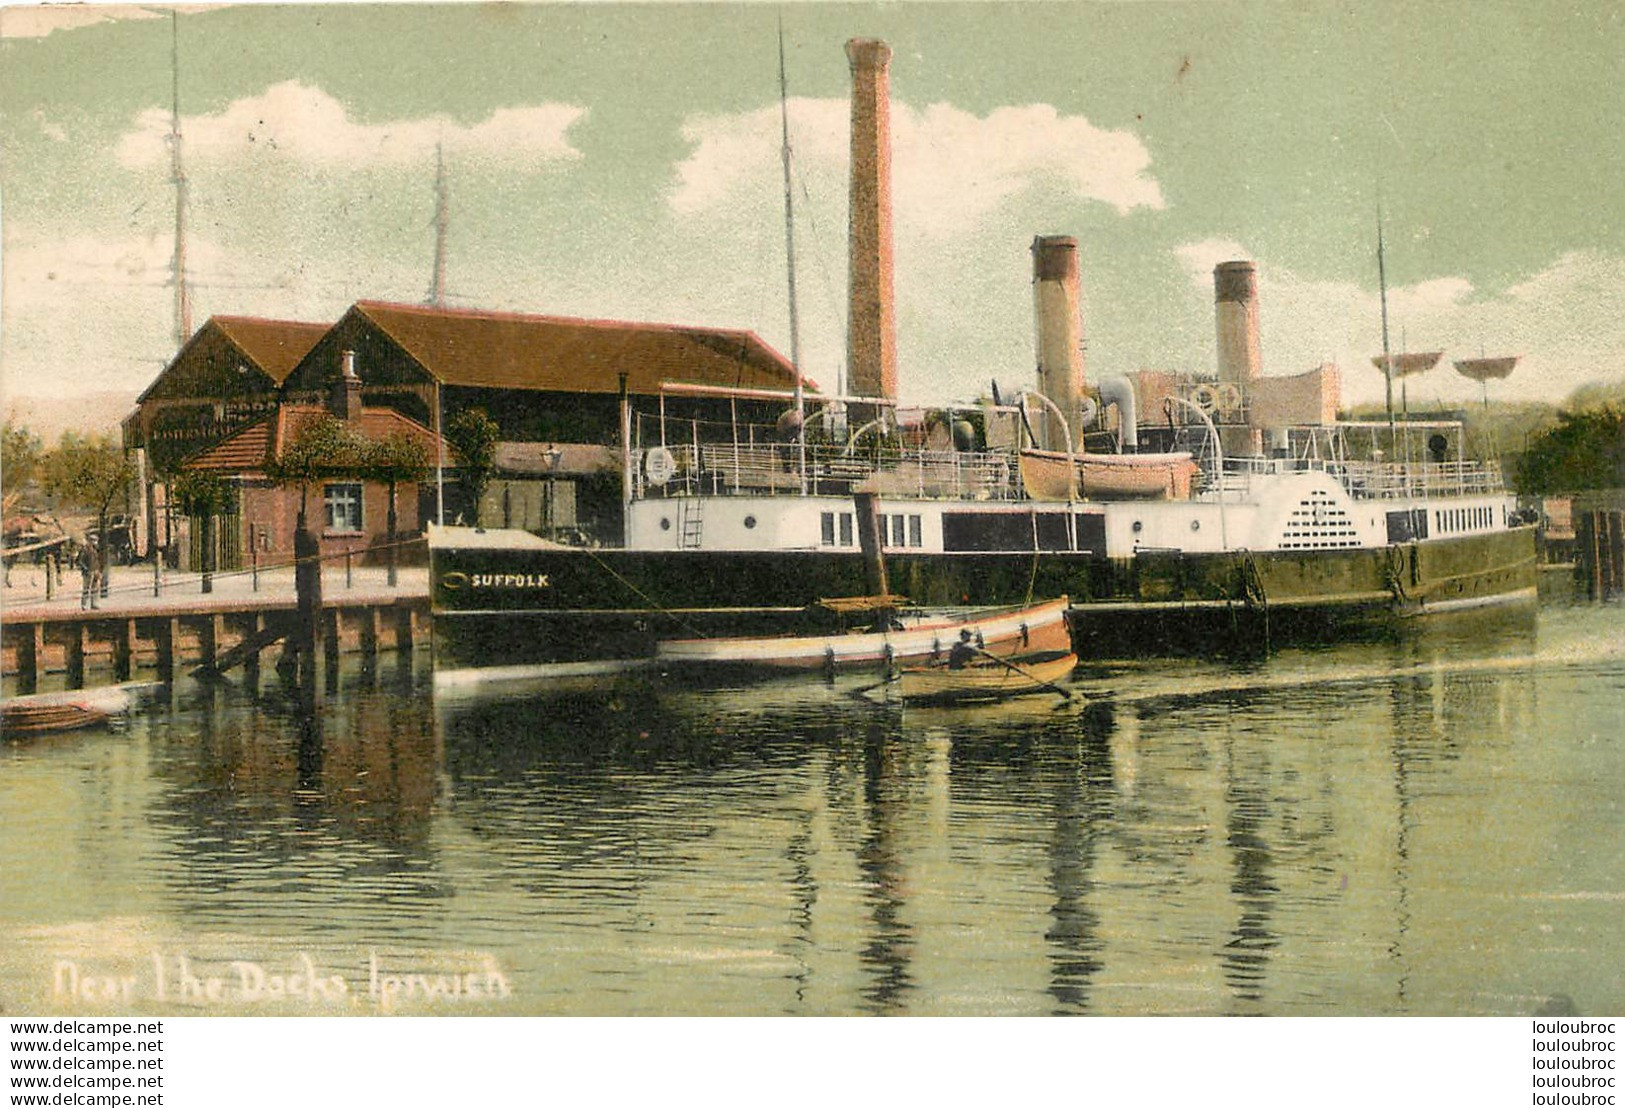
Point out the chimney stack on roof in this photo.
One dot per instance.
(347, 389)
(1060, 335)
(871, 316)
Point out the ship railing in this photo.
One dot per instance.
(1381, 480)
(721, 469)
(1373, 480)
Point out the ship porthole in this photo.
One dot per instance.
(1196, 525)
(750, 521)
(1138, 527)
(665, 523)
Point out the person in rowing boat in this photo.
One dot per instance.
(962, 653)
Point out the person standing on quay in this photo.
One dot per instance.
(87, 576)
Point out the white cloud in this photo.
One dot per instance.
(303, 122)
(1200, 258)
(957, 167)
(39, 20)
(739, 154)
(950, 168)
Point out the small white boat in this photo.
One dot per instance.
(988, 678)
(38, 713)
(911, 638)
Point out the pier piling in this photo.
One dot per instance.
(74, 644)
(123, 648)
(30, 658)
(163, 634)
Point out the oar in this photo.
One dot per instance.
(1039, 681)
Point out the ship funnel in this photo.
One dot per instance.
(1241, 360)
(871, 317)
(1235, 296)
(1060, 334)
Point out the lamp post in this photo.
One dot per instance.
(552, 454)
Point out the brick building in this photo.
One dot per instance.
(241, 388)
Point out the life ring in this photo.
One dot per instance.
(1205, 397)
(1229, 398)
(658, 465)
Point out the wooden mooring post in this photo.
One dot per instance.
(1600, 552)
(307, 582)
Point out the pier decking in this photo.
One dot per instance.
(170, 625)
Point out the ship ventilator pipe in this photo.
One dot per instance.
(1120, 391)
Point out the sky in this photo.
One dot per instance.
(621, 161)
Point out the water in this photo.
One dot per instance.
(1424, 825)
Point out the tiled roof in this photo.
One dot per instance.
(243, 452)
(275, 345)
(553, 353)
(248, 450)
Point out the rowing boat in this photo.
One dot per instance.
(911, 638)
(987, 678)
(70, 710)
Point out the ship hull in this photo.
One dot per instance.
(496, 606)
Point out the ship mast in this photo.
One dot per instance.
(437, 283)
(790, 266)
(1387, 358)
(183, 299)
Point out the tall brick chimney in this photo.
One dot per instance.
(871, 336)
(1060, 334)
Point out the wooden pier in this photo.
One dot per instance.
(198, 636)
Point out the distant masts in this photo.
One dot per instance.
(183, 298)
(437, 283)
(790, 264)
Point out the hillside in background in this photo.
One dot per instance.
(86, 413)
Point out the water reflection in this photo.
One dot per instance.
(1082, 801)
(889, 943)
(1332, 830)
(266, 799)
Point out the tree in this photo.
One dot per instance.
(326, 447)
(89, 472)
(392, 461)
(473, 436)
(21, 454)
(1586, 450)
(203, 495)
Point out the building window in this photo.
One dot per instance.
(897, 533)
(914, 537)
(846, 528)
(826, 524)
(343, 507)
